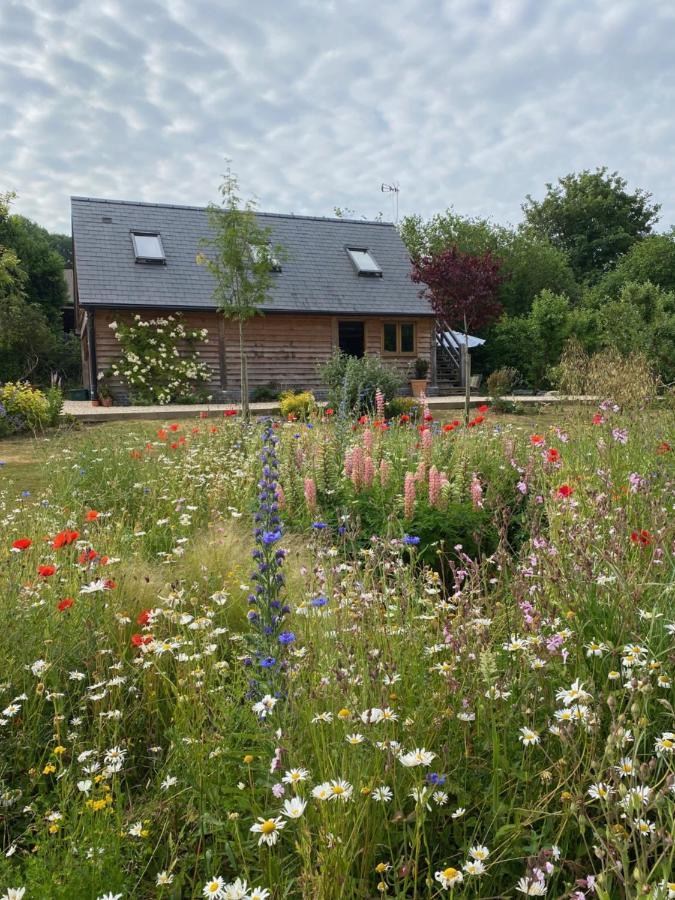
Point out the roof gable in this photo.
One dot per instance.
(317, 276)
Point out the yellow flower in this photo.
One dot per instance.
(48, 769)
(381, 867)
(59, 751)
(248, 759)
(344, 714)
(570, 614)
(565, 795)
(144, 833)
(53, 829)
(365, 791)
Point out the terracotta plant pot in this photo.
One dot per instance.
(95, 402)
(106, 401)
(418, 386)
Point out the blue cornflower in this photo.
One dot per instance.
(411, 539)
(271, 537)
(435, 778)
(286, 637)
(318, 601)
(268, 662)
(319, 525)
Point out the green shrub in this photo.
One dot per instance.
(441, 530)
(54, 397)
(299, 405)
(23, 407)
(502, 382)
(400, 406)
(265, 392)
(352, 382)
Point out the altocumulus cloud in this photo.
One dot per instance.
(471, 103)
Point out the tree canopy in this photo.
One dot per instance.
(593, 217)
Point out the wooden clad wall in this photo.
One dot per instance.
(285, 350)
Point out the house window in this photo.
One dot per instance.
(148, 247)
(398, 339)
(364, 262)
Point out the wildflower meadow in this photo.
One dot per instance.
(342, 658)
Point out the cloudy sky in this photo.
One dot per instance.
(464, 103)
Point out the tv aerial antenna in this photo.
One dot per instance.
(391, 189)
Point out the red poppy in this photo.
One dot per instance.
(230, 412)
(87, 556)
(104, 560)
(203, 414)
(63, 538)
(65, 604)
(537, 440)
(664, 447)
(174, 427)
(143, 618)
(476, 421)
(162, 434)
(291, 417)
(428, 418)
(455, 423)
(449, 427)
(565, 490)
(363, 420)
(643, 537)
(553, 455)
(195, 430)
(136, 454)
(174, 445)
(91, 516)
(22, 544)
(139, 639)
(109, 584)
(46, 571)
(598, 419)
(328, 411)
(483, 408)
(404, 418)
(214, 429)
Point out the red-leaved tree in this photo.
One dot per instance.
(462, 289)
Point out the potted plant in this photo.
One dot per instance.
(104, 392)
(418, 381)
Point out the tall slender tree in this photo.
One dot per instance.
(463, 291)
(240, 256)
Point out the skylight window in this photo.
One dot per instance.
(364, 262)
(148, 247)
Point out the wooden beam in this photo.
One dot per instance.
(91, 344)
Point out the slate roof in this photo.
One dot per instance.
(317, 277)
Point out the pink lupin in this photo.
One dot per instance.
(421, 473)
(379, 403)
(476, 491)
(310, 494)
(368, 471)
(409, 495)
(385, 471)
(357, 466)
(349, 462)
(434, 486)
(368, 441)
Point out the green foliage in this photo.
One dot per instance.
(160, 362)
(402, 406)
(352, 383)
(652, 259)
(54, 397)
(441, 530)
(530, 263)
(24, 407)
(42, 266)
(300, 406)
(593, 218)
(264, 392)
(421, 368)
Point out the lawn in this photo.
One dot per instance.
(340, 659)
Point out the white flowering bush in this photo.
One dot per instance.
(160, 360)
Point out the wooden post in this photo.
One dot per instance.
(222, 359)
(91, 346)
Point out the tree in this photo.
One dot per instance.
(462, 289)
(43, 266)
(593, 218)
(530, 263)
(652, 259)
(242, 262)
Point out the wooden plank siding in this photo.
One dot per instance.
(282, 349)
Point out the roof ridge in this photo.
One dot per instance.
(257, 212)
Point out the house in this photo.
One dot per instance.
(343, 284)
